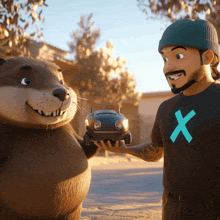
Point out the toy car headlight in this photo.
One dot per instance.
(118, 125)
(87, 122)
(125, 123)
(97, 125)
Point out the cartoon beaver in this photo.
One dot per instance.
(44, 172)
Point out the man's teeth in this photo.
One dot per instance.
(175, 77)
(49, 114)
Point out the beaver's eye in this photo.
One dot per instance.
(61, 81)
(25, 81)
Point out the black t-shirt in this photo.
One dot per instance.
(188, 127)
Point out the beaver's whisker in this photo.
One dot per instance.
(80, 108)
(82, 98)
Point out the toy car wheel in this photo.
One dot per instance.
(128, 138)
(86, 139)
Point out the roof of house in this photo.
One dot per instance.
(57, 49)
(42, 43)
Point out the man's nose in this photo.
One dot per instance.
(169, 67)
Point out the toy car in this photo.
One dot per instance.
(106, 125)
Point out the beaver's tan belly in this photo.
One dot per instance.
(45, 182)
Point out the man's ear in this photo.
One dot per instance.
(207, 57)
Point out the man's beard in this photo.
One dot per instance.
(181, 89)
(184, 87)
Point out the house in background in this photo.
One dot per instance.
(45, 51)
(147, 110)
(35, 49)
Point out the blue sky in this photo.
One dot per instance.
(132, 35)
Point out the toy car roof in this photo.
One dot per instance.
(99, 112)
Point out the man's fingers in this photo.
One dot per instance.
(116, 144)
(102, 146)
(97, 144)
(109, 145)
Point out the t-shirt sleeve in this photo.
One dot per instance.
(156, 138)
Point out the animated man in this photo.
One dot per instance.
(187, 126)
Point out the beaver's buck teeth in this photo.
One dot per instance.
(47, 113)
(57, 112)
(50, 114)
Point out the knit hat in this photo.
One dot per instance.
(199, 34)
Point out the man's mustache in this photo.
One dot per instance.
(175, 72)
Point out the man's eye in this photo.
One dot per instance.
(165, 59)
(179, 56)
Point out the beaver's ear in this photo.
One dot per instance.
(2, 61)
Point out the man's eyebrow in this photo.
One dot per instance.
(174, 48)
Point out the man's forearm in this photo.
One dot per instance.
(146, 152)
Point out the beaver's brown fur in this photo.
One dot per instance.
(44, 172)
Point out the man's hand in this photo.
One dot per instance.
(118, 148)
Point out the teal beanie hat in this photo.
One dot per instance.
(199, 34)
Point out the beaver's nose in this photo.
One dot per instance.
(61, 93)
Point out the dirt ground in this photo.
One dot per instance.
(123, 187)
(113, 158)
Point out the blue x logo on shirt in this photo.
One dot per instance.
(181, 126)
